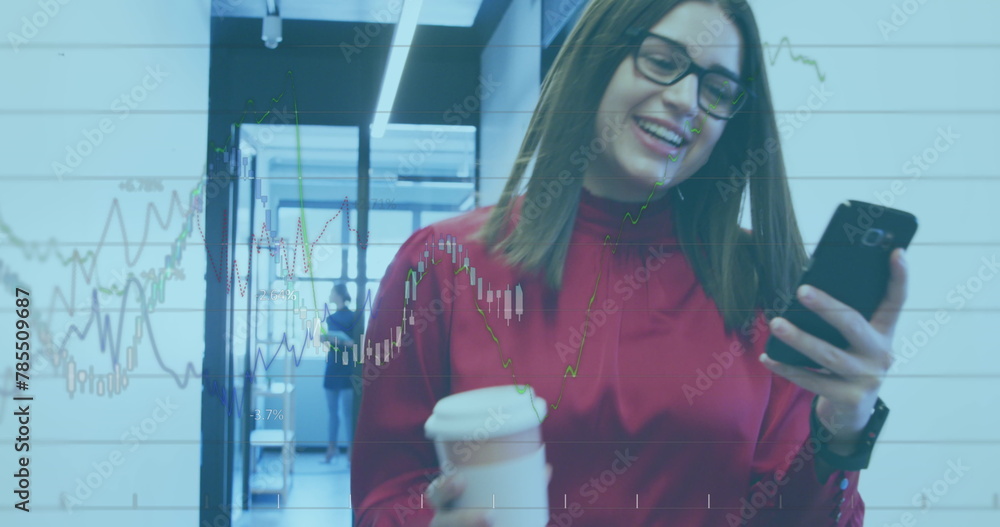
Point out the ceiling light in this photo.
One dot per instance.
(271, 31)
(402, 39)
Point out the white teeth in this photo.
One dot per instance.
(661, 132)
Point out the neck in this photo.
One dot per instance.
(650, 219)
(617, 191)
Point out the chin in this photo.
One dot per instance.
(638, 187)
(647, 178)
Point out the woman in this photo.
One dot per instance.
(341, 332)
(645, 336)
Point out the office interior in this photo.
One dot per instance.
(258, 152)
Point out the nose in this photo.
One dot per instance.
(682, 97)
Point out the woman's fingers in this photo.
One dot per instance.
(812, 381)
(885, 317)
(822, 352)
(860, 334)
(443, 490)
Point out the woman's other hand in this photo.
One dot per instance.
(442, 493)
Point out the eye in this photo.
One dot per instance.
(719, 87)
(662, 64)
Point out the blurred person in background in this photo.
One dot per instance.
(341, 332)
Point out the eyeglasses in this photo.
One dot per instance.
(666, 62)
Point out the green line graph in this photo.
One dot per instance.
(772, 58)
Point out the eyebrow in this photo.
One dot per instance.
(714, 67)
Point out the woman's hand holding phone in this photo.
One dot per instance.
(849, 383)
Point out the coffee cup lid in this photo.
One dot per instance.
(497, 411)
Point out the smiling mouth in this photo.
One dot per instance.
(660, 132)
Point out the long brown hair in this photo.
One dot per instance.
(741, 271)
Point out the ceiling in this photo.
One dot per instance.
(329, 156)
(453, 13)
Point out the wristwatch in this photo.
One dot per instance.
(863, 452)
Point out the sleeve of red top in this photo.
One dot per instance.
(785, 489)
(392, 460)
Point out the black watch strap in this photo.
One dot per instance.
(863, 453)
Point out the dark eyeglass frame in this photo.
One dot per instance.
(638, 36)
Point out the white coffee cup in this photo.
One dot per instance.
(493, 438)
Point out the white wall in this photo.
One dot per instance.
(64, 82)
(513, 59)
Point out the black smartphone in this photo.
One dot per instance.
(851, 264)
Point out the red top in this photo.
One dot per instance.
(664, 403)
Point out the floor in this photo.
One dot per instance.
(318, 496)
